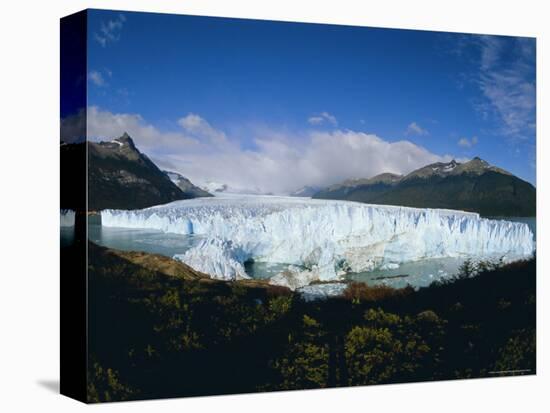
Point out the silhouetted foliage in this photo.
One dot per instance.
(360, 292)
(152, 335)
(104, 385)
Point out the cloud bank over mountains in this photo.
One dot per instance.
(278, 162)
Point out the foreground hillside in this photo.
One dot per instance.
(473, 186)
(158, 329)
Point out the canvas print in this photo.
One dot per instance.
(252, 206)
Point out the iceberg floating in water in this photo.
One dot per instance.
(322, 239)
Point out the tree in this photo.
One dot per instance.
(305, 363)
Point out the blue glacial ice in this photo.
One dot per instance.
(321, 239)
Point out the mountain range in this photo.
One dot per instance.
(470, 186)
(121, 177)
(306, 191)
(190, 190)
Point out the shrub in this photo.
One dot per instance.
(517, 356)
(279, 306)
(371, 355)
(305, 362)
(104, 385)
(361, 292)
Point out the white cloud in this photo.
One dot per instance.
(315, 120)
(506, 80)
(279, 163)
(467, 143)
(197, 126)
(415, 129)
(109, 31)
(321, 118)
(96, 78)
(106, 125)
(73, 128)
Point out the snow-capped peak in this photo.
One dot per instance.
(445, 167)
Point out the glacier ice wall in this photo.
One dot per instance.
(66, 218)
(322, 239)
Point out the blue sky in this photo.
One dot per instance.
(206, 96)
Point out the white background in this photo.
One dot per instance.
(29, 193)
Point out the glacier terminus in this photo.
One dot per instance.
(322, 240)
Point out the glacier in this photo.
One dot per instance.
(66, 218)
(321, 240)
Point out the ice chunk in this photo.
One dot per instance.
(322, 291)
(220, 258)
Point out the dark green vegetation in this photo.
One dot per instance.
(472, 186)
(119, 176)
(159, 329)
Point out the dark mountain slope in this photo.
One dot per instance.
(471, 186)
(121, 177)
(190, 190)
(306, 191)
(371, 188)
